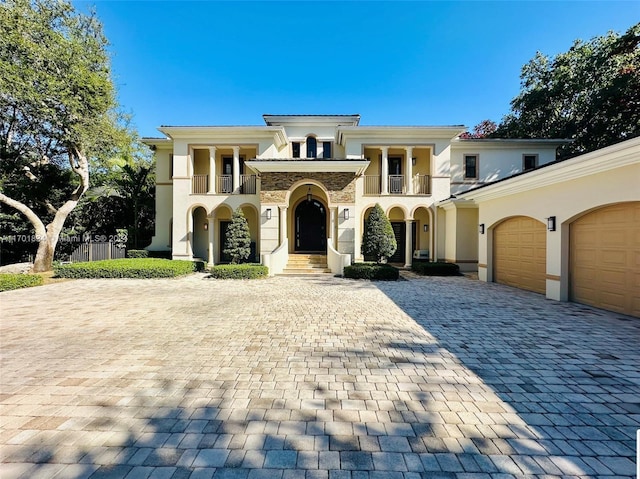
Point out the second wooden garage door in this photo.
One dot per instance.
(605, 258)
(520, 253)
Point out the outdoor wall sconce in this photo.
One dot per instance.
(413, 161)
(345, 213)
(481, 228)
(425, 228)
(309, 195)
(551, 223)
(206, 226)
(268, 213)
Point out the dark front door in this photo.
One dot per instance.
(311, 227)
(400, 231)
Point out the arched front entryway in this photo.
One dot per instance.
(310, 223)
(308, 218)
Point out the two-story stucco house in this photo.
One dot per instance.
(306, 183)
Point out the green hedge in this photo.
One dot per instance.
(439, 268)
(137, 253)
(17, 281)
(128, 268)
(239, 271)
(373, 271)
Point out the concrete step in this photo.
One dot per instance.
(305, 264)
(305, 271)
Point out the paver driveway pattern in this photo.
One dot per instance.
(315, 378)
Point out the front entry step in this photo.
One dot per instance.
(306, 264)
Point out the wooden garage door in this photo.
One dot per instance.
(605, 258)
(520, 253)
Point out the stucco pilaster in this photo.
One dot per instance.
(408, 243)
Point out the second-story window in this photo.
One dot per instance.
(470, 167)
(326, 149)
(312, 147)
(295, 147)
(529, 162)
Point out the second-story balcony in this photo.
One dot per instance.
(420, 185)
(224, 185)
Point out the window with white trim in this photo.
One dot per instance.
(470, 167)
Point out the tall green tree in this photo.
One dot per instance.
(237, 244)
(58, 113)
(378, 239)
(590, 94)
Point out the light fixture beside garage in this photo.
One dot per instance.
(268, 213)
(345, 213)
(551, 223)
(481, 228)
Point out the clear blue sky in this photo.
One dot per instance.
(394, 63)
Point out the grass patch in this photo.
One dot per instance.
(129, 268)
(239, 271)
(10, 281)
(373, 271)
(439, 268)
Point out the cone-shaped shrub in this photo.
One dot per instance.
(237, 244)
(378, 239)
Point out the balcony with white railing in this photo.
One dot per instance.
(396, 184)
(421, 185)
(248, 184)
(200, 184)
(225, 184)
(371, 184)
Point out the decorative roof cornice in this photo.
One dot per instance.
(411, 134)
(242, 133)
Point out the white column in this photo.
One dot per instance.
(384, 170)
(210, 223)
(283, 224)
(408, 252)
(236, 168)
(212, 169)
(409, 169)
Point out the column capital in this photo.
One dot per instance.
(384, 149)
(212, 149)
(236, 150)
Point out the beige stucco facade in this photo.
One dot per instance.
(303, 176)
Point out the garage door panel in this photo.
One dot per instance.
(520, 254)
(605, 258)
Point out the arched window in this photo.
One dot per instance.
(312, 147)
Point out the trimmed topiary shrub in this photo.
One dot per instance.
(439, 268)
(129, 268)
(239, 271)
(237, 244)
(378, 240)
(17, 281)
(137, 253)
(374, 271)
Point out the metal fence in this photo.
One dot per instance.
(97, 252)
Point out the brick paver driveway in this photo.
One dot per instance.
(315, 378)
